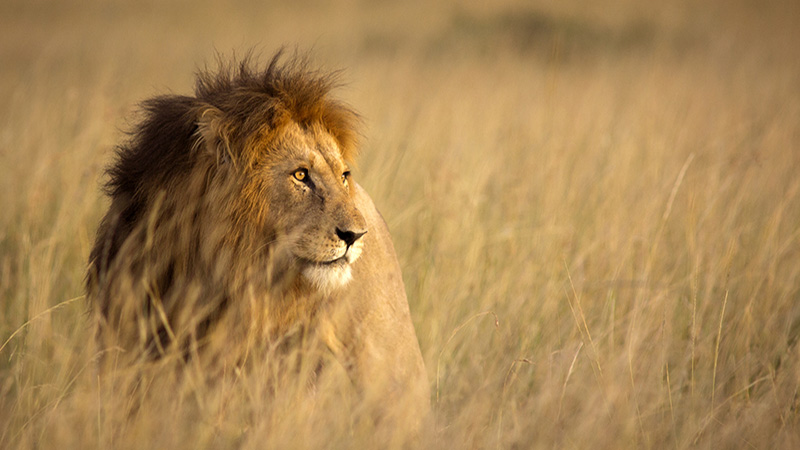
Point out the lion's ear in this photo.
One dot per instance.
(214, 134)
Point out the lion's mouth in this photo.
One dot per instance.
(348, 257)
(338, 261)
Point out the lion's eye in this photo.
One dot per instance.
(300, 174)
(345, 176)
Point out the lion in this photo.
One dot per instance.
(234, 213)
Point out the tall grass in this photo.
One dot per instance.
(596, 210)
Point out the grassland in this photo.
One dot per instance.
(596, 209)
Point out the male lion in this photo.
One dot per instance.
(233, 213)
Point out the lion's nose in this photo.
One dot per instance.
(349, 237)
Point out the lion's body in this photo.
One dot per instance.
(233, 214)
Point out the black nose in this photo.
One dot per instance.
(349, 237)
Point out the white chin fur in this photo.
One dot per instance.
(326, 278)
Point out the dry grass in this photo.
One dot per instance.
(597, 212)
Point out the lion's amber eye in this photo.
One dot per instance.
(300, 174)
(345, 176)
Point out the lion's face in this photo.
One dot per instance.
(311, 208)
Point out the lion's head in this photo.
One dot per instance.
(244, 187)
(310, 203)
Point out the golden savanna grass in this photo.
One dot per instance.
(596, 209)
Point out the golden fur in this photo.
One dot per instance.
(233, 212)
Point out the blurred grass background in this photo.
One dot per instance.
(595, 207)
